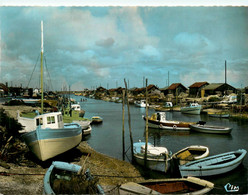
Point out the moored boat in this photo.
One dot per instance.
(46, 135)
(191, 153)
(214, 165)
(64, 178)
(210, 129)
(96, 120)
(189, 185)
(141, 103)
(222, 114)
(158, 120)
(158, 158)
(193, 108)
(46, 143)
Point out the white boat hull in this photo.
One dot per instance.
(161, 164)
(46, 149)
(196, 110)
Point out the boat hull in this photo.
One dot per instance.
(213, 165)
(210, 129)
(170, 125)
(47, 143)
(189, 185)
(191, 153)
(157, 162)
(191, 110)
(64, 167)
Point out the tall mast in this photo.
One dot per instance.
(41, 69)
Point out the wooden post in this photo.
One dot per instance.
(129, 120)
(123, 126)
(146, 133)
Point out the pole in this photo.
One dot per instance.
(123, 126)
(146, 126)
(129, 119)
(41, 70)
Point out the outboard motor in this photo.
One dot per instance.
(201, 122)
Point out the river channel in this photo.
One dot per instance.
(107, 137)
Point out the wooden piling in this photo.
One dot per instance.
(129, 119)
(146, 133)
(123, 126)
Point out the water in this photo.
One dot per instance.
(107, 137)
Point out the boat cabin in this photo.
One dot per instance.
(76, 107)
(53, 120)
(160, 116)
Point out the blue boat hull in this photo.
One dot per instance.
(65, 167)
(47, 143)
(213, 165)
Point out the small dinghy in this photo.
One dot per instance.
(201, 127)
(191, 153)
(157, 157)
(213, 165)
(65, 178)
(189, 185)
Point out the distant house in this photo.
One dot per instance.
(4, 89)
(246, 90)
(176, 89)
(164, 90)
(219, 88)
(115, 91)
(150, 89)
(100, 92)
(195, 89)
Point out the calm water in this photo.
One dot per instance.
(107, 137)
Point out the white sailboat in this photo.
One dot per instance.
(46, 135)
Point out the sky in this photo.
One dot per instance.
(88, 47)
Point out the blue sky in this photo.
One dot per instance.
(85, 47)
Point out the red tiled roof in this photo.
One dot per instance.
(198, 84)
(174, 86)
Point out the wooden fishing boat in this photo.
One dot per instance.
(189, 185)
(214, 165)
(46, 135)
(65, 178)
(46, 143)
(158, 158)
(96, 120)
(158, 120)
(191, 153)
(210, 129)
(221, 114)
(193, 108)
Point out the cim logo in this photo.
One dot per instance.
(231, 188)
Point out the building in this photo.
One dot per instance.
(195, 89)
(4, 89)
(219, 89)
(175, 89)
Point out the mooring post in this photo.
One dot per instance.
(129, 120)
(146, 133)
(123, 126)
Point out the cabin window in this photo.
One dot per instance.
(52, 119)
(48, 120)
(39, 121)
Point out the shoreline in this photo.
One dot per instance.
(111, 172)
(27, 177)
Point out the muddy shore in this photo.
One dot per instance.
(27, 178)
(110, 172)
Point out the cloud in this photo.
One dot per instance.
(105, 42)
